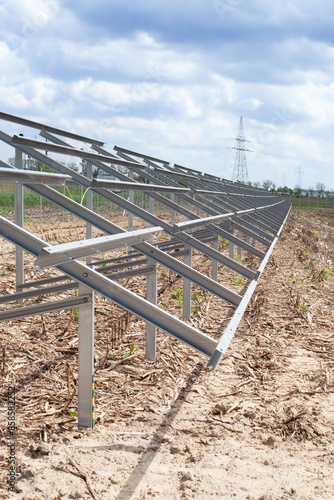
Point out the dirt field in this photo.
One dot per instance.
(260, 427)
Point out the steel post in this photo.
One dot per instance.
(151, 296)
(86, 361)
(19, 220)
(89, 201)
(187, 285)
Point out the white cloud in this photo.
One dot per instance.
(164, 91)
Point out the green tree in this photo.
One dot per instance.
(267, 184)
(320, 187)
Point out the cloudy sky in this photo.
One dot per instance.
(172, 79)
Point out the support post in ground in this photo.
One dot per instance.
(89, 200)
(215, 245)
(19, 219)
(231, 246)
(239, 248)
(86, 417)
(187, 285)
(151, 296)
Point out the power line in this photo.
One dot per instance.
(292, 158)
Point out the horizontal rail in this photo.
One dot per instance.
(47, 307)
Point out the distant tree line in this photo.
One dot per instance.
(319, 190)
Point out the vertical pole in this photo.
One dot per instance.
(131, 199)
(89, 198)
(215, 245)
(231, 246)
(130, 215)
(19, 219)
(151, 296)
(172, 212)
(187, 285)
(151, 205)
(86, 417)
(64, 208)
(239, 248)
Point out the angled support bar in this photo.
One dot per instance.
(228, 236)
(67, 150)
(53, 130)
(58, 254)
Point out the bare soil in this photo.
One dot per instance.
(260, 427)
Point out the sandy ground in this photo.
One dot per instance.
(260, 427)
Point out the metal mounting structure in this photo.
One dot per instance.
(205, 211)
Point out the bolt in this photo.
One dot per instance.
(85, 275)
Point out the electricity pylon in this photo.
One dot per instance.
(240, 172)
(299, 171)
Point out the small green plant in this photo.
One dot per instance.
(178, 295)
(196, 300)
(76, 314)
(327, 274)
(73, 414)
(302, 309)
(238, 282)
(295, 279)
(133, 349)
(103, 258)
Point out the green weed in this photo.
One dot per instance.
(133, 349)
